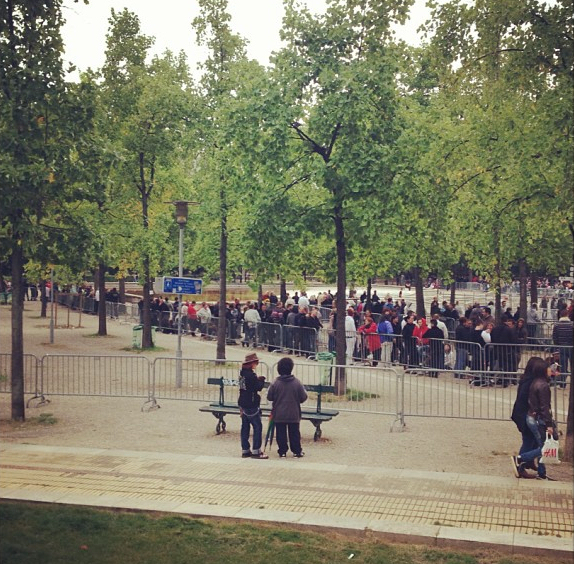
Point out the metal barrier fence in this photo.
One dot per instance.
(127, 312)
(368, 390)
(421, 391)
(32, 384)
(194, 379)
(78, 375)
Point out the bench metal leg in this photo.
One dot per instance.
(221, 425)
(317, 425)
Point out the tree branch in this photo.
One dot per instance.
(333, 139)
(303, 178)
(315, 147)
(470, 179)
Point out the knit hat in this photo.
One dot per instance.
(250, 359)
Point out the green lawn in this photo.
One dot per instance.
(43, 533)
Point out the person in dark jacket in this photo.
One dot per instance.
(503, 339)
(436, 348)
(562, 336)
(533, 417)
(287, 394)
(410, 343)
(462, 336)
(249, 401)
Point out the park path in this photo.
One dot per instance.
(440, 509)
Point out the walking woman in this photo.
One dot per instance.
(533, 417)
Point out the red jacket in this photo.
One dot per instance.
(420, 331)
(371, 336)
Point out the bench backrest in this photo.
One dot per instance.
(320, 389)
(222, 382)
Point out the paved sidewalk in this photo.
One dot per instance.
(438, 509)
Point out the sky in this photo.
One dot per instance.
(169, 21)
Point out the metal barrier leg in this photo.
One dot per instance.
(154, 405)
(151, 394)
(38, 391)
(399, 420)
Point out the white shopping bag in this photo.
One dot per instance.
(550, 451)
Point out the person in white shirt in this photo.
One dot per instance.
(252, 319)
(303, 301)
(441, 325)
(350, 334)
(183, 312)
(204, 317)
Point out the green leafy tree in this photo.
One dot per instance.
(150, 107)
(509, 70)
(337, 71)
(42, 120)
(221, 173)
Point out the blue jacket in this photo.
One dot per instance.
(385, 330)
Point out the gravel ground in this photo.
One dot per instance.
(433, 444)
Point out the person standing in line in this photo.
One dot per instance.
(287, 394)
(204, 317)
(436, 348)
(532, 322)
(249, 401)
(192, 318)
(562, 336)
(350, 334)
(371, 339)
(532, 414)
(385, 330)
(411, 358)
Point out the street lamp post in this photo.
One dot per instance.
(181, 210)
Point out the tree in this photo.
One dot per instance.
(149, 107)
(226, 49)
(510, 69)
(42, 120)
(337, 72)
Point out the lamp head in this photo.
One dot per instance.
(181, 208)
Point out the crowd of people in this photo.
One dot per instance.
(385, 331)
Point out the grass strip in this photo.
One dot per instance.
(51, 533)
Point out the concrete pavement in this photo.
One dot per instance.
(437, 509)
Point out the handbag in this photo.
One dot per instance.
(550, 450)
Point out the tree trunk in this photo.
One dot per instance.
(260, 294)
(533, 288)
(102, 327)
(498, 278)
(17, 356)
(523, 278)
(369, 303)
(222, 324)
(419, 292)
(147, 341)
(498, 301)
(43, 299)
(453, 288)
(283, 290)
(569, 442)
(340, 340)
(122, 290)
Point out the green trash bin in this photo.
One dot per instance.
(137, 333)
(325, 359)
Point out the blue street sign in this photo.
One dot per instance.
(182, 285)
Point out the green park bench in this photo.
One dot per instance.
(316, 414)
